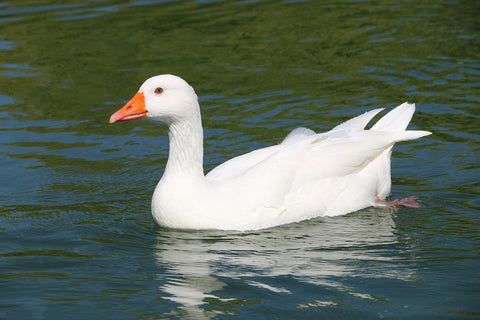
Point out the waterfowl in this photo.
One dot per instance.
(307, 175)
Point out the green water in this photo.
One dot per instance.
(77, 239)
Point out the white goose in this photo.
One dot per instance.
(305, 176)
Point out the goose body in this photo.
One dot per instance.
(305, 176)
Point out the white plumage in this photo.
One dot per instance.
(305, 176)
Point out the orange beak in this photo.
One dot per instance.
(134, 109)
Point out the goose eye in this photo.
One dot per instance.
(158, 90)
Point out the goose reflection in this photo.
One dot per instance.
(199, 264)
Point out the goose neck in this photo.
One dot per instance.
(186, 148)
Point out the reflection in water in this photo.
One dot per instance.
(188, 280)
(319, 251)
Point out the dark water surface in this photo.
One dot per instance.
(77, 240)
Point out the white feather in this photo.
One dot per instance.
(305, 176)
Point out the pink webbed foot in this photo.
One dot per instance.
(409, 202)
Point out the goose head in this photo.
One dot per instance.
(166, 98)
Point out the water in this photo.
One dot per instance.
(77, 239)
